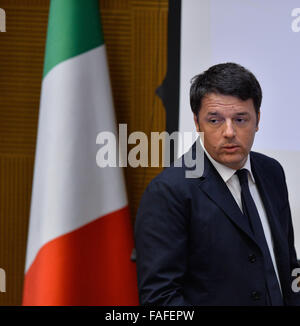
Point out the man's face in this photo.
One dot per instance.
(229, 125)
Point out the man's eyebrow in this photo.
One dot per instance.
(242, 113)
(213, 113)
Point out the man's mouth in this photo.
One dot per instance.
(230, 148)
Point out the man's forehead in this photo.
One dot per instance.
(220, 103)
(224, 99)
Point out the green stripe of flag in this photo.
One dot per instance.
(74, 27)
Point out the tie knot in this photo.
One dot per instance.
(242, 175)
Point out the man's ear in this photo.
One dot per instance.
(257, 122)
(196, 123)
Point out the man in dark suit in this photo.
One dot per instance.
(224, 237)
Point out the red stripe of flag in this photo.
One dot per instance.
(88, 266)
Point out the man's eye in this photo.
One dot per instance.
(240, 120)
(213, 121)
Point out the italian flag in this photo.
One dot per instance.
(80, 236)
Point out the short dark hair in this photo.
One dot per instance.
(226, 79)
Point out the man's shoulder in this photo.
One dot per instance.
(264, 160)
(267, 165)
(173, 177)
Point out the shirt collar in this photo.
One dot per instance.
(225, 172)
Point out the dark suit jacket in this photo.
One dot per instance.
(194, 247)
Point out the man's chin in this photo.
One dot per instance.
(233, 161)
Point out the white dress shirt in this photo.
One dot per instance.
(232, 182)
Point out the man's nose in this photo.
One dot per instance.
(229, 130)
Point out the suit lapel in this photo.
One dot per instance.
(215, 188)
(265, 189)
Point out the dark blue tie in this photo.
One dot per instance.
(250, 210)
